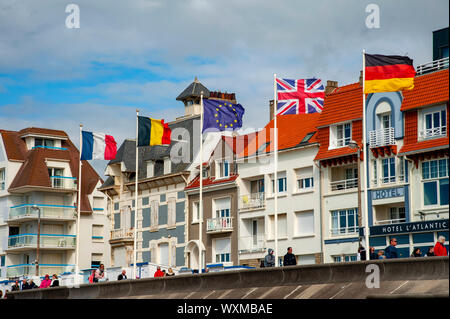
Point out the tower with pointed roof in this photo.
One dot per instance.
(191, 97)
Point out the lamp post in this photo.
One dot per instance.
(38, 237)
(354, 145)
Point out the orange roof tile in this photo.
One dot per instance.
(428, 89)
(291, 131)
(343, 104)
(424, 146)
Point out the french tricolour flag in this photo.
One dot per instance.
(98, 146)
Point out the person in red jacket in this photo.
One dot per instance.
(439, 248)
(158, 272)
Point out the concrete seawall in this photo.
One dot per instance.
(413, 277)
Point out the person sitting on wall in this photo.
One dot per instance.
(122, 276)
(158, 272)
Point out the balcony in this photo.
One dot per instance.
(250, 244)
(218, 225)
(432, 66)
(381, 137)
(390, 221)
(63, 182)
(252, 201)
(30, 269)
(122, 234)
(435, 132)
(344, 231)
(388, 180)
(27, 212)
(344, 184)
(29, 241)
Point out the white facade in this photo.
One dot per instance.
(19, 222)
(299, 220)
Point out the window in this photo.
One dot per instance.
(222, 207)
(171, 210)
(150, 168)
(43, 142)
(282, 226)
(205, 172)
(348, 258)
(195, 211)
(305, 183)
(435, 182)
(98, 203)
(304, 223)
(154, 213)
(344, 221)
(167, 165)
(351, 173)
(97, 232)
(96, 260)
(223, 250)
(385, 120)
(262, 148)
(2, 179)
(55, 172)
(435, 124)
(375, 172)
(164, 253)
(337, 259)
(223, 169)
(397, 214)
(307, 138)
(282, 183)
(257, 186)
(341, 135)
(388, 170)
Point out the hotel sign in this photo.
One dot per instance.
(427, 226)
(388, 193)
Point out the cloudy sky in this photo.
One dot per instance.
(143, 53)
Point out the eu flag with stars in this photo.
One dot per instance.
(221, 115)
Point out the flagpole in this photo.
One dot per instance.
(77, 253)
(365, 163)
(200, 206)
(136, 195)
(275, 165)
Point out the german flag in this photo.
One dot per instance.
(153, 132)
(388, 73)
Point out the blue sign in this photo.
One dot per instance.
(388, 193)
(427, 226)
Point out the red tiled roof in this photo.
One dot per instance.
(291, 131)
(424, 146)
(343, 104)
(238, 143)
(34, 172)
(42, 131)
(209, 181)
(428, 89)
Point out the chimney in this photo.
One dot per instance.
(331, 85)
(271, 110)
(361, 78)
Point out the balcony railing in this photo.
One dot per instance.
(381, 137)
(252, 201)
(219, 224)
(122, 233)
(344, 230)
(432, 66)
(433, 132)
(46, 211)
(30, 269)
(344, 184)
(253, 243)
(388, 180)
(390, 221)
(46, 241)
(63, 182)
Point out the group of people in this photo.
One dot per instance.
(392, 252)
(163, 273)
(30, 284)
(288, 260)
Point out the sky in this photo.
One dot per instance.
(140, 54)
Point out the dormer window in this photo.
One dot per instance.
(434, 123)
(340, 135)
(43, 142)
(223, 169)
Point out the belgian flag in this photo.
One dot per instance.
(153, 132)
(388, 73)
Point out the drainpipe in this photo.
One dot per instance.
(411, 210)
(320, 211)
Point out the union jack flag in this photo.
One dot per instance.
(300, 96)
